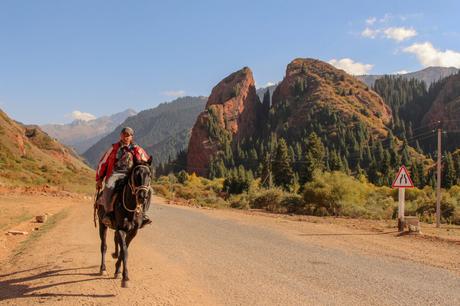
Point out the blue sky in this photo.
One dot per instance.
(101, 57)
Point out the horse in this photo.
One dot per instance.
(130, 205)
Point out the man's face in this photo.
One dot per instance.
(126, 138)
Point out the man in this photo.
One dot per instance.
(114, 166)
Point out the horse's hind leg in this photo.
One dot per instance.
(103, 236)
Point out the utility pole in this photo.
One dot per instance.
(438, 181)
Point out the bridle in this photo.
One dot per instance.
(135, 190)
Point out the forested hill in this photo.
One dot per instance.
(163, 131)
(318, 118)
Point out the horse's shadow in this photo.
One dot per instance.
(13, 286)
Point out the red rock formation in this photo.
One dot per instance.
(311, 85)
(235, 104)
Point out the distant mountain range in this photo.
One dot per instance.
(428, 75)
(163, 131)
(81, 134)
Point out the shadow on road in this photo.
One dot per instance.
(27, 286)
(351, 234)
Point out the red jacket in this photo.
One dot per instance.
(108, 160)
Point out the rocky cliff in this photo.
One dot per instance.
(446, 106)
(230, 115)
(312, 86)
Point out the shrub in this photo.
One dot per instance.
(182, 177)
(269, 199)
(293, 203)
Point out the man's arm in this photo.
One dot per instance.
(102, 167)
(140, 154)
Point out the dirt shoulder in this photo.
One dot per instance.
(60, 267)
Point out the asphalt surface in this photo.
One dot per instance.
(242, 264)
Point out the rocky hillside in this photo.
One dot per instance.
(29, 157)
(311, 86)
(319, 117)
(230, 116)
(445, 108)
(427, 75)
(81, 135)
(163, 131)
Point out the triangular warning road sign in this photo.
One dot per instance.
(403, 179)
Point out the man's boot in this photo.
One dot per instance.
(145, 220)
(107, 218)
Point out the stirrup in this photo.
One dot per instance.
(145, 221)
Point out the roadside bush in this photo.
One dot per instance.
(269, 199)
(337, 194)
(293, 203)
(240, 201)
(182, 177)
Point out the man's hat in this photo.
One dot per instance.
(128, 130)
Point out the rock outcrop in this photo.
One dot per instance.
(311, 86)
(231, 113)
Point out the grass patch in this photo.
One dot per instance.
(45, 228)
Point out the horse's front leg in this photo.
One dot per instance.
(103, 236)
(124, 257)
(119, 253)
(115, 254)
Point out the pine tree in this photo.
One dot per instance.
(449, 176)
(335, 162)
(266, 172)
(282, 168)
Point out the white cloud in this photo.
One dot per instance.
(385, 18)
(370, 33)
(269, 84)
(351, 66)
(174, 93)
(371, 20)
(401, 72)
(396, 33)
(399, 34)
(430, 56)
(77, 115)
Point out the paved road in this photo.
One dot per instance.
(213, 257)
(241, 263)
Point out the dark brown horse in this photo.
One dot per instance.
(130, 205)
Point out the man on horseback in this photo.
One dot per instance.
(114, 166)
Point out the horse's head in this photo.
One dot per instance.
(141, 177)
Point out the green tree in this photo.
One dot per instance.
(449, 177)
(282, 166)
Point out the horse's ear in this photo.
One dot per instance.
(149, 161)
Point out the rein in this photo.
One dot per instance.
(135, 190)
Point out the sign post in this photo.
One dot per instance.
(402, 182)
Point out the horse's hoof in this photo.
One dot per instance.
(116, 275)
(124, 284)
(103, 272)
(114, 255)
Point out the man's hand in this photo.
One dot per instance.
(99, 184)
